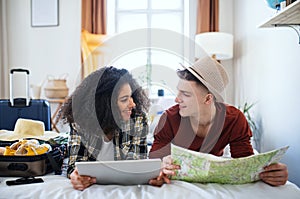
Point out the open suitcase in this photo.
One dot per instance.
(31, 166)
(14, 108)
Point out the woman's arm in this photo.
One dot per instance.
(77, 152)
(81, 182)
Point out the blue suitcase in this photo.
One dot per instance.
(14, 108)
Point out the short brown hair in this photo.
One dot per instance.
(187, 75)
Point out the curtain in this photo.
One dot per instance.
(207, 16)
(94, 16)
(93, 25)
(92, 55)
(4, 68)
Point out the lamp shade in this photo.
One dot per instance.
(216, 44)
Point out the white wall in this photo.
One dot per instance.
(267, 72)
(226, 25)
(44, 50)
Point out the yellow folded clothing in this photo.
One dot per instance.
(26, 148)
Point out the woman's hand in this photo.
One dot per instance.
(81, 182)
(275, 174)
(168, 169)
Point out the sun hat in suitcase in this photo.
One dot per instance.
(27, 128)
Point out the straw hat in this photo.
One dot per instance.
(26, 128)
(212, 74)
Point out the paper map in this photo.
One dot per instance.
(202, 167)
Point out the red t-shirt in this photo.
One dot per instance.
(230, 127)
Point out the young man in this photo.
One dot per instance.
(202, 122)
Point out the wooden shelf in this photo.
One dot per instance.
(287, 17)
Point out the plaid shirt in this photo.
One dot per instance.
(130, 143)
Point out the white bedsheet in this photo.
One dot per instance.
(55, 186)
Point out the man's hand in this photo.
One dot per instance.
(81, 182)
(275, 174)
(168, 170)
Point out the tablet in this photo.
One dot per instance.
(122, 172)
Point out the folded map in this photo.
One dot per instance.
(202, 167)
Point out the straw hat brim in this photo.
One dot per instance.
(6, 135)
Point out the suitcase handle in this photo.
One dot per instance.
(17, 167)
(11, 85)
(19, 70)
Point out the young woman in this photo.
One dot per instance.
(107, 118)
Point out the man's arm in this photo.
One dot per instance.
(275, 174)
(240, 145)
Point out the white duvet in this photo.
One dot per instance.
(55, 186)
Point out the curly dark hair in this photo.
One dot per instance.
(109, 84)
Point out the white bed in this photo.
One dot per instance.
(56, 186)
(59, 187)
